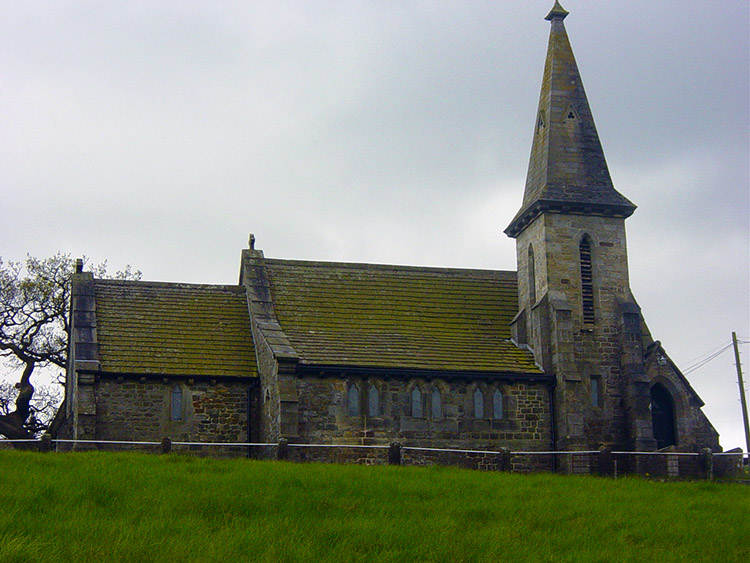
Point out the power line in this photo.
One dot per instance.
(711, 351)
(712, 354)
(705, 360)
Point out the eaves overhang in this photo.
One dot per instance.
(152, 376)
(319, 370)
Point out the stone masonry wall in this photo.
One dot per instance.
(141, 410)
(596, 346)
(324, 414)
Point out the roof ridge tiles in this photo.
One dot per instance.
(329, 265)
(102, 282)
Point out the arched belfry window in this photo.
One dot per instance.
(532, 276)
(662, 417)
(587, 280)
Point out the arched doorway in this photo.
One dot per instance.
(662, 417)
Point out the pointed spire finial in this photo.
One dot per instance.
(557, 12)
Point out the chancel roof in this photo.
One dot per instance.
(173, 329)
(398, 317)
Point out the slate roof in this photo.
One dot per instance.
(173, 329)
(398, 317)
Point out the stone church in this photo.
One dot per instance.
(553, 356)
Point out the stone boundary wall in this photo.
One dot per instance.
(344, 454)
(533, 463)
(605, 462)
(483, 461)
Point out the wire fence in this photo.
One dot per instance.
(604, 461)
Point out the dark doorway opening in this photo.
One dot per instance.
(662, 417)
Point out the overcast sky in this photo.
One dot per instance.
(159, 134)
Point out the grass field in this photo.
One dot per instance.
(128, 507)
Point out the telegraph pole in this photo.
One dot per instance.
(742, 391)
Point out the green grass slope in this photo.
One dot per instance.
(128, 507)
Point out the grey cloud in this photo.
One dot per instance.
(160, 134)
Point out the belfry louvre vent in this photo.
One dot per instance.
(587, 282)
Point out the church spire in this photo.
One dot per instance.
(567, 169)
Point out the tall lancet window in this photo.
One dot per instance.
(497, 404)
(352, 400)
(532, 277)
(587, 280)
(436, 404)
(176, 407)
(478, 403)
(416, 402)
(373, 401)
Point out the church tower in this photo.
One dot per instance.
(576, 311)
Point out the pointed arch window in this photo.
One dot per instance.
(478, 403)
(416, 402)
(497, 404)
(176, 403)
(436, 404)
(532, 276)
(352, 400)
(373, 401)
(587, 280)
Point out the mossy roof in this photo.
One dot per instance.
(173, 329)
(398, 317)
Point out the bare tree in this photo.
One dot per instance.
(43, 407)
(34, 303)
